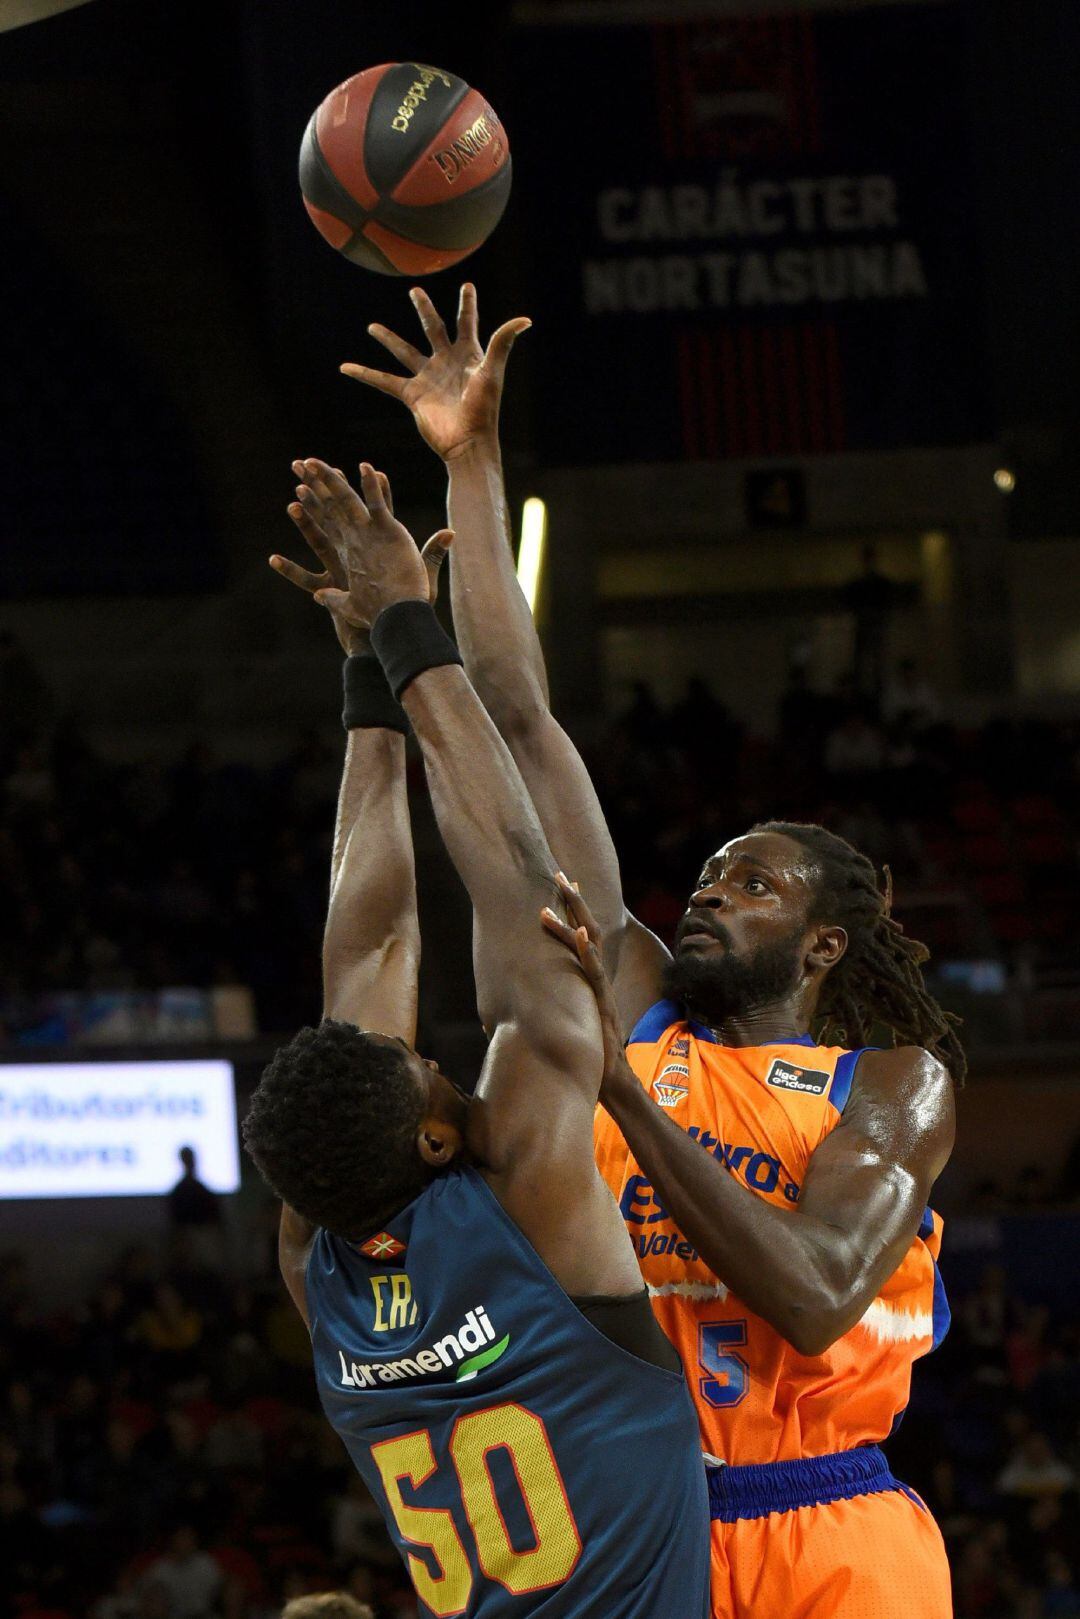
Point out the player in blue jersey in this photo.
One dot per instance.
(482, 1341)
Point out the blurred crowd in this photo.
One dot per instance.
(979, 826)
(116, 876)
(206, 871)
(992, 1441)
(162, 1455)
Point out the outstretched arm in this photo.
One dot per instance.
(542, 1075)
(371, 943)
(454, 394)
(813, 1269)
(485, 815)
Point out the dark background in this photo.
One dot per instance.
(168, 134)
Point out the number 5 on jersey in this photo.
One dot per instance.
(728, 1374)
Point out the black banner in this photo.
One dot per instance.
(750, 237)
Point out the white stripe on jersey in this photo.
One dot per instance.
(892, 1326)
(690, 1290)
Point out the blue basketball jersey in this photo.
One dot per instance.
(525, 1464)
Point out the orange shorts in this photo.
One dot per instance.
(831, 1537)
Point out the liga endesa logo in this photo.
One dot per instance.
(787, 1077)
(465, 1352)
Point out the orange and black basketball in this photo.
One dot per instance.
(405, 169)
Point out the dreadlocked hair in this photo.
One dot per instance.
(879, 977)
(332, 1127)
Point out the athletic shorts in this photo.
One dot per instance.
(830, 1537)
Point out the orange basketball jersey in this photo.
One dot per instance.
(761, 1111)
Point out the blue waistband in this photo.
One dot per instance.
(754, 1492)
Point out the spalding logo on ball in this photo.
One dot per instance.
(405, 169)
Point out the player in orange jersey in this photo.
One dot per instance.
(776, 1188)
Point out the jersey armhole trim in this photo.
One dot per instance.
(843, 1075)
(663, 1016)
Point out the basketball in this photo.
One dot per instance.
(405, 169)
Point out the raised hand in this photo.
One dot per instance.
(453, 392)
(327, 513)
(581, 934)
(327, 544)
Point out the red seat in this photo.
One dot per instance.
(202, 1414)
(1014, 926)
(986, 851)
(940, 849)
(1036, 810)
(1000, 888)
(1053, 921)
(661, 911)
(982, 814)
(1048, 847)
(267, 1412)
(239, 1564)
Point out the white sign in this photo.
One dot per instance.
(113, 1129)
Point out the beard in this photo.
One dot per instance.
(718, 985)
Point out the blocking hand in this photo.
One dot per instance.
(581, 934)
(454, 391)
(369, 558)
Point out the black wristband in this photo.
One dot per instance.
(369, 702)
(408, 638)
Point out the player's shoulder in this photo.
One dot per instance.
(902, 1072)
(907, 1094)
